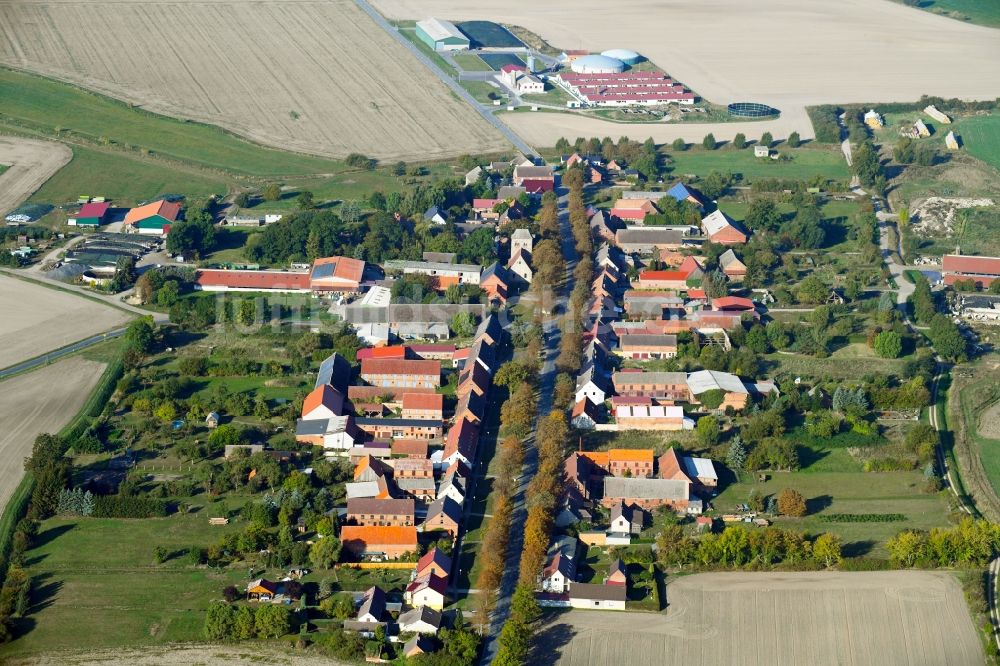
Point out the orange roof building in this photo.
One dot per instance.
(401, 373)
(322, 403)
(631, 462)
(341, 274)
(390, 542)
(153, 218)
(423, 406)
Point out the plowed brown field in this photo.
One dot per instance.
(317, 77)
(893, 618)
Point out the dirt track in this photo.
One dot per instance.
(182, 655)
(786, 53)
(32, 162)
(36, 402)
(318, 77)
(904, 618)
(54, 319)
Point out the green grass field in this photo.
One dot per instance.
(975, 397)
(849, 492)
(470, 62)
(806, 162)
(123, 177)
(983, 12)
(44, 105)
(981, 136)
(847, 362)
(96, 583)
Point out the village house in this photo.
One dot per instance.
(420, 620)
(607, 597)
(391, 428)
(444, 514)
(630, 462)
(261, 590)
(736, 394)
(473, 377)
(669, 386)
(496, 283)
(534, 179)
(643, 346)
(662, 280)
(617, 575)
(647, 493)
(485, 209)
(625, 519)
(603, 226)
(733, 304)
(323, 402)
(557, 575)
(473, 175)
(372, 605)
(337, 433)
(381, 512)
(652, 417)
(423, 406)
(691, 470)
(413, 449)
(519, 266)
(645, 241)
(721, 229)
(733, 268)
(460, 443)
(435, 216)
(452, 487)
(590, 385)
(651, 304)
(417, 646)
(681, 193)
(584, 415)
(394, 373)
(434, 561)
(378, 541)
(412, 468)
(429, 591)
(633, 210)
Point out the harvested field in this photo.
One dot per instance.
(180, 655)
(879, 618)
(55, 319)
(989, 422)
(36, 402)
(317, 77)
(716, 48)
(31, 163)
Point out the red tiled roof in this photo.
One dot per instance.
(479, 204)
(987, 266)
(678, 276)
(344, 268)
(423, 401)
(252, 279)
(732, 302)
(326, 396)
(94, 209)
(409, 447)
(388, 366)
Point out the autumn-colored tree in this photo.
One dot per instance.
(791, 503)
(827, 549)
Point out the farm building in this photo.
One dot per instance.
(873, 119)
(153, 218)
(238, 280)
(587, 595)
(519, 80)
(983, 270)
(337, 274)
(921, 129)
(952, 140)
(441, 35)
(597, 64)
(90, 215)
(720, 228)
(616, 88)
(761, 151)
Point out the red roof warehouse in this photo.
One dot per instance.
(983, 270)
(223, 280)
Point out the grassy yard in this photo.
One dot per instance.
(806, 162)
(848, 362)
(471, 62)
(126, 178)
(481, 91)
(977, 398)
(639, 439)
(96, 583)
(830, 492)
(46, 105)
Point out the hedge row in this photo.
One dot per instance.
(862, 517)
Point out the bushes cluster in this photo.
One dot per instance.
(235, 623)
(862, 517)
(124, 506)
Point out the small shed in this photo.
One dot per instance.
(212, 420)
(761, 151)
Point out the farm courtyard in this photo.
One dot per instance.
(895, 618)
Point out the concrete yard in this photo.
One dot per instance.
(37, 402)
(37, 319)
(31, 162)
(786, 53)
(892, 618)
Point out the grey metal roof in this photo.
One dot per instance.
(648, 339)
(597, 592)
(416, 423)
(311, 427)
(627, 378)
(335, 370)
(420, 614)
(670, 236)
(639, 488)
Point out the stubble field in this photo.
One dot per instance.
(786, 53)
(31, 163)
(37, 319)
(38, 402)
(316, 77)
(898, 618)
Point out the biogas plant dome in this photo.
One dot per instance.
(597, 64)
(625, 55)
